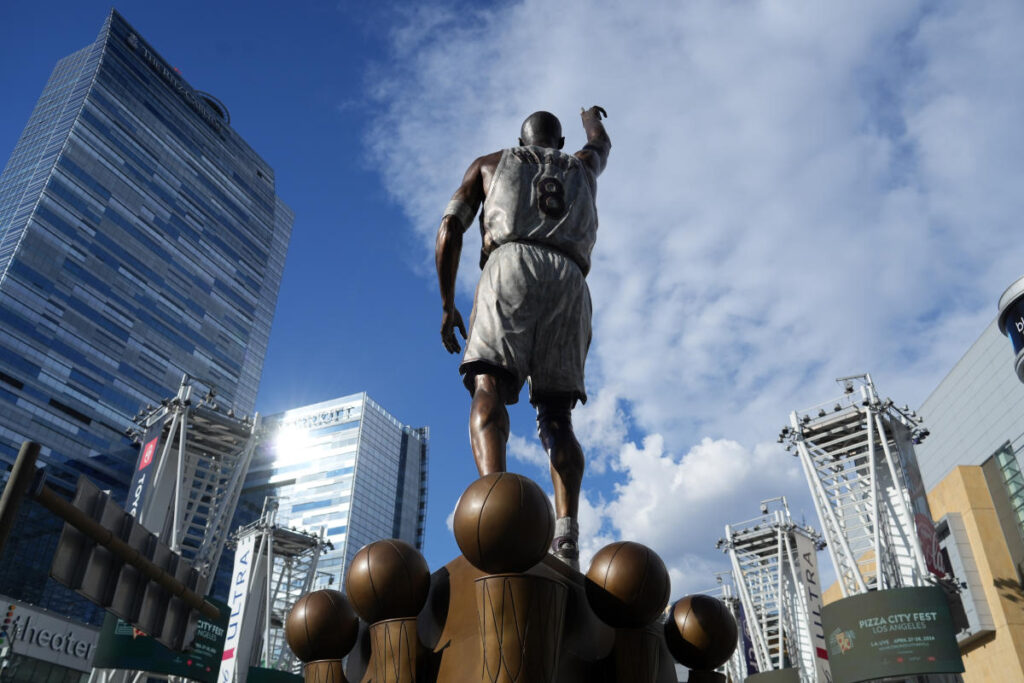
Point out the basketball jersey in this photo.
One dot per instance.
(545, 196)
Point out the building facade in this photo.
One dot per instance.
(345, 466)
(141, 239)
(971, 465)
(975, 410)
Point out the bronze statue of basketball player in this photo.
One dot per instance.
(531, 313)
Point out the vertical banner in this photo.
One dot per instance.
(806, 564)
(749, 656)
(919, 508)
(142, 483)
(145, 469)
(241, 579)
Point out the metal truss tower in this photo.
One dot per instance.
(274, 567)
(774, 566)
(204, 453)
(193, 460)
(858, 457)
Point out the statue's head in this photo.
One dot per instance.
(542, 129)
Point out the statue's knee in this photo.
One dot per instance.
(554, 427)
(564, 451)
(485, 385)
(565, 464)
(554, 424)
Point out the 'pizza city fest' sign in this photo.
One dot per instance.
(122, 646)
(898, 632)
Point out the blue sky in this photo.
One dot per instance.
(797, 191)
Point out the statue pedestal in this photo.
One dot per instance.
(536, 626)
(637, 654)
(394, 643)
(324, 671)
(506, 611)
(520, 624)
(586, 649)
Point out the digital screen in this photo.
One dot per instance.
(891, 633)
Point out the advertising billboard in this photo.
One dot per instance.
(891, 633)
(122, 646)
(923, 523)
(1011, 322)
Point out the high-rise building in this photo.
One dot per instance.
(344, 465)
(141, 239)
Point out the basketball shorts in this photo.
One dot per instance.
(531, 320)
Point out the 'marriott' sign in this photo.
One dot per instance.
(324, 418)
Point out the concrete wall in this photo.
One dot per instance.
(999, 657)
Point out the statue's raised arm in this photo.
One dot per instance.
(595, 153)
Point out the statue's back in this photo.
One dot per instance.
(542, 195)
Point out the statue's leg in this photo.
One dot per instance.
(554, 425)
(488, 425)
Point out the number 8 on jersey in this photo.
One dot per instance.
(551, 197)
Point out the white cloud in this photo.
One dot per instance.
(528, 451)
(602, 427)
(797, 191)
(679, 505)
(595, 532)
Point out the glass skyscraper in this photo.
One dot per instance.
(141, 238)
(344, 465)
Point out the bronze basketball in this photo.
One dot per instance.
(387, 580)
(504, 523)
(627, 584)
(700, 632)
(321, 625)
